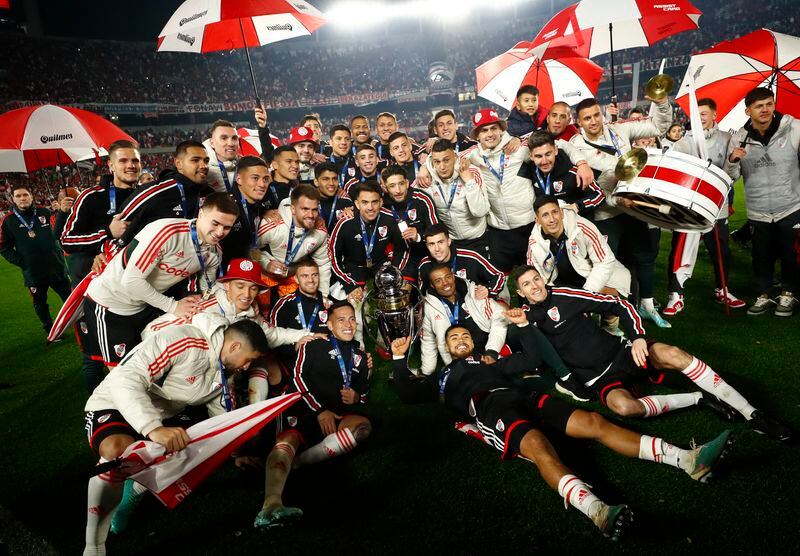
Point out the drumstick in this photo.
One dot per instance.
(663, 209)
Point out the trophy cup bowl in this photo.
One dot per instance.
(392, 309)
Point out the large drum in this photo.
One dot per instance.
(675, 191)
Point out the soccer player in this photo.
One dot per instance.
(446, 128)
(527, 116)
(302, 139)
(130, 291)
(765, 153)
(611, 366)
(176, 195)
(717, 142)
(366, 158)
(27, 241)
(450, 301)
(514, 421)
(359, 125)
(313, 122)
(460, 200)
(333, 203)
(559, 121)
(360, 244)
(341, 153)
(253, 181)
(464, 263)
(333, 378)
(385, 125)
(552, 172)
(569, 251)
(177, 367)
(411, 209)
(285, 173)
(294, 236)
(402, 150)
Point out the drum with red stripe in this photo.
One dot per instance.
(676, 191)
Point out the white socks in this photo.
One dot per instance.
(104, 495)
(656, 449)
(656, 405)
(705, 377)
(331, 446)
(257, 385)
(576, 493)
(279, 463)
(647, 304)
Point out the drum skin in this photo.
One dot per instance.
(693, 189)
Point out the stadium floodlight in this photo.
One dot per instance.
(352, 14)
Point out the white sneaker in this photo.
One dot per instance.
(786, 302)
(732, 301)
(674, 305)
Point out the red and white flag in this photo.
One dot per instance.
(250, 144)
(172, 477)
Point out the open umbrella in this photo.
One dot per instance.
(568, 79)
(47, 135)
(593, 27)
(210, 25)
(729, 70)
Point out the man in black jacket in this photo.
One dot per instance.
(511, 419)
(340, 152)
(333, 377)
(611, 366)
(404, 154)
(447, 128)
(252, 183)
(27, 241)
(333, 203)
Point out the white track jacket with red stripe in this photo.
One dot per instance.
(175, 368)
(588, 252)
(160, 256)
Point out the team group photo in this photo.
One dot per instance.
(399, 276)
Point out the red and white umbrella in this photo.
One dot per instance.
(593, 27)
(47, 135)
(729, 70)
(211, 25)
(250, 144)
(172, 477)
(569, 79)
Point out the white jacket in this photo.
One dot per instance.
(214, 178)
(177, 367)
(275, 235)
(466, 217)
(219, 304)
(588, 252)
(486, 313)
(619, 136)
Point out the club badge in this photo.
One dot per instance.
(291, 420)
(554, 315)
(351, 172)
(558, 186)
(323, 316)
(500, 426)
(356, 359)
(383, 231)
(574, 248)
(119, 349)
(103, 418)
(461, 273)
(412, 214)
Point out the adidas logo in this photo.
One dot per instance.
(764, 162)
(191, 379)
(178, 208)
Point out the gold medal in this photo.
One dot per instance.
(369, 263)
(207, 295)
(31, 234)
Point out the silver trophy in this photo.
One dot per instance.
(393, 308)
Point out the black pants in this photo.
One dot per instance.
(479, 244)
(509, 248)
(638, 250)
(776, 240)
(711, 246)
(613, 230)
(39, 295)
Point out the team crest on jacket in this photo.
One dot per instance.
(119, 349)
(462, 273)
(323, 316)
(553, 313)
(84, 328)
(500, 425)
(356, 359)
(574, 248)
(103, 418)
(191, 379)
(291, 420)
(558, 186)
(412, 214)
(43, 220)
(382, 231)
(351, 172)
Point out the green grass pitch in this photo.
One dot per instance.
(418, 486)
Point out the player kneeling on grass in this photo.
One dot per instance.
(510, 418)
(333, 377)
(610, 366)
(175, 368)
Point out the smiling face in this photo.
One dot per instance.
(385, 125)
(708, 116)
(531, 286)
(446, 128)
(225, 143)
(305, 212)
(213, 225)
(327, 183)
(544, 157)
(400, 149)
(438, 246)
(342, 323)
(126, 166)
(551, 218)
(315, 127)
(443, 282)
(241, 293)
(369, 205)
(558, 119)
(287, 166)
(305, 150)
(253, 182)
(307, 278)
(489, 136)
(591, 121)
(367, 162)
(341, 141)
(193, 164)
(360, 129)
(459, 343)
(528, 103)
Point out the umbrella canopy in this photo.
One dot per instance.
(569, 79)
(46, 135)
(729, 70)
